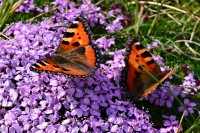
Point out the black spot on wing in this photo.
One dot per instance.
(150, 62)
(65, 42)
(137, 73)
(146, 54)
(68, 34)
(76, 44)
(139, 47)
(140, 67)
(74, 26)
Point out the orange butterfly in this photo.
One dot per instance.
(135, 76)
(75, 55)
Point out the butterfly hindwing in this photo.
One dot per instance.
(140, 67)
(152, 84)
(75, 55)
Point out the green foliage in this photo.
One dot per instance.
(5, 11)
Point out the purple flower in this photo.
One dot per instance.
(152, 46)
(27, 6)
(73, 11)
(114, 12)
(115, 9)
(104, 43)
(171, 124)
(112, 69)
(42, 125)
(187, 106)
(158, 59)
(161, 96)
(116, 25)
(189, 84)
(46, 9)
(84, 129)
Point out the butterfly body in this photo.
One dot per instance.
(142, 75)
(75, 55)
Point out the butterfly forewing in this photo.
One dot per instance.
(78, 35)
(76, 55)
(139, 57)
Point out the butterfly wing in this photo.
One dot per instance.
(77, 36)
(75, 55)
(135, 77)
(151, 85)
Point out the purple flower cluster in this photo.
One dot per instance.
(104, 44)
(116, 25)
(190, 85)
(112, 68)
(48, 102)
(68, 11)
(27, 6)
(161, 96)
(171, 124)
(188, 106)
